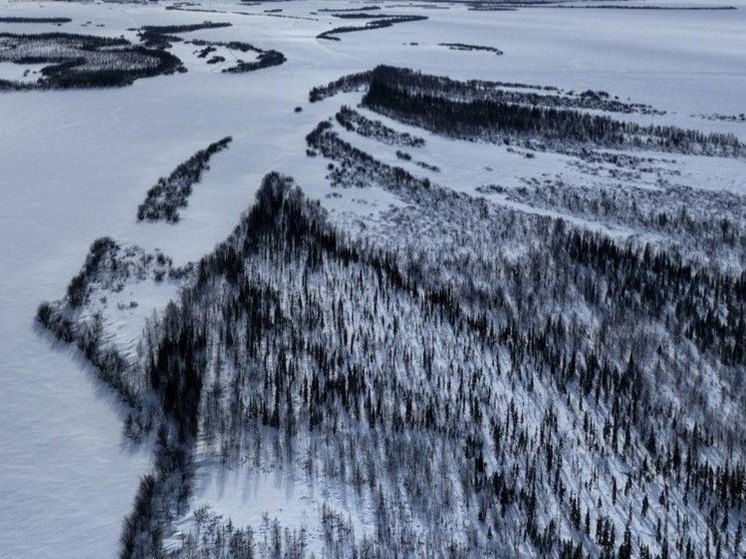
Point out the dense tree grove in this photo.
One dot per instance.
(354, 121)
(377, 21)
(366, 8)
(82, 61)
(78, 61)
(174, 29)
(162, 36)
(546, 96)
(402, 95)
(56, 20)
(169, 194)
(265, 59)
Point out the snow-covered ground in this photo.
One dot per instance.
(256, 498)
(74, 165)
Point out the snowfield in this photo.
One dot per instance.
(75, 164)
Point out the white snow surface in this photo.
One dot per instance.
(74, 165)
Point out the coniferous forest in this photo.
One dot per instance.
(538, 395)
(400, 293)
